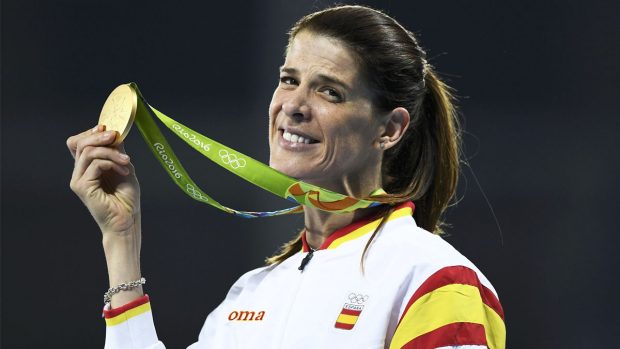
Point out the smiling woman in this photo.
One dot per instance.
(357, 110)
(322, 98)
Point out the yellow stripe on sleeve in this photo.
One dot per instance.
(128, 314)
(446, 305)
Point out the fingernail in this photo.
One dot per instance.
(95, 129)
(124, 156)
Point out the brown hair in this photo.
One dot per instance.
(424, 166)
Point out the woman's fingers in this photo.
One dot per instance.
(94, 156)
(104, 179)
(93, 140)
(72, 142)
(90, 153)
(99, 166)
(81, 184)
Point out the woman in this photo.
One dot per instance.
(358, 110)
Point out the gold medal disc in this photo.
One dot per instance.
(119, 111)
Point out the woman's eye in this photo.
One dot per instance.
(332, 93)
(287, 80)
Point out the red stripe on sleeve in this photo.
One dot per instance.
(458, 333)
(108, 314)
(456, 275)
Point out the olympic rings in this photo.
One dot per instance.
(195, 193)
(358, 298)
(231, 159)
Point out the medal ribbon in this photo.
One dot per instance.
(241, 165)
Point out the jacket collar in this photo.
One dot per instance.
(359, 228)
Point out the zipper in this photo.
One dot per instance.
(299, 286)
(306, 260)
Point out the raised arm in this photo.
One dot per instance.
(105, 180)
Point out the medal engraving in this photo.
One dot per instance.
(119, 111)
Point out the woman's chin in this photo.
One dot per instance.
(289, 171)
(285, 169)
(296, 171)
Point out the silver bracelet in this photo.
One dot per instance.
(125, 286)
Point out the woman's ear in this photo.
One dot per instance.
(395, 126)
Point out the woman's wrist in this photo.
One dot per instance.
(123, 267)
(122, 253)
(122, 259)
(123, 297)
(124, 244)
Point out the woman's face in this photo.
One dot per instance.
(322, 125)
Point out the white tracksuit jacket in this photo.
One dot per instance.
(416, 292)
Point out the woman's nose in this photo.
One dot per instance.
(296, 106)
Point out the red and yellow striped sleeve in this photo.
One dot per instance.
(451, 308)
(132, 309)
(131, 326)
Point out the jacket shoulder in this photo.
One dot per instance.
(423, 253)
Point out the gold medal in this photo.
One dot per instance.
(119, 111)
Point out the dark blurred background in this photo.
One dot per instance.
(538, 83)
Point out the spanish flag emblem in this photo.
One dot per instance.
(350, 312)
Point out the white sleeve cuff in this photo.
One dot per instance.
(131, 326)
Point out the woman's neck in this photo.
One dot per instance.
(320, 224)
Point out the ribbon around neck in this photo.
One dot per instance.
(251, 170)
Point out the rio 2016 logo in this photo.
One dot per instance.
(161, 150)
(190, 136)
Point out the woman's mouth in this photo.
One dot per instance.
(295, 140)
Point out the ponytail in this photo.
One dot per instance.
(446, 131)
(424, 166)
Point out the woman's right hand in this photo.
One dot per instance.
(104, 179)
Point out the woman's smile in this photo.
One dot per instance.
(295, 140)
